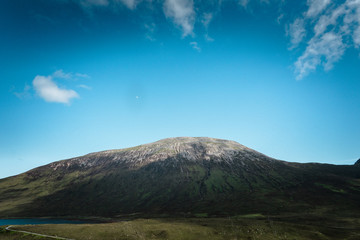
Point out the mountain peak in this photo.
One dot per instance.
(177, 149)
(204, 144)
(357, 162)
(190, 148)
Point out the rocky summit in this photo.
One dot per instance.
(179, 176)
(178, 149)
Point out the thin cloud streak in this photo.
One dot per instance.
(195, 46)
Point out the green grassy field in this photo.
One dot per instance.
(245, 227)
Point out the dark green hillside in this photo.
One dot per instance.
(182, 176)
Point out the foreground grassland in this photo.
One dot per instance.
(244, 227)
(6, 235)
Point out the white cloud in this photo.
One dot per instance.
(82, 75)
(206, 19)
(296, 32)
(208, 38)
(328, 20)
(47, 89)
(25, 94)
(316, 7)
(335, 29)
(325, 24)
(195, 46)
(279, 18)
(85, 86)
(131, 4)
(356, 37)
(325, 50)
(61, 74)
(90, 3)
(244, 3)
(182, 13)
(150, 30)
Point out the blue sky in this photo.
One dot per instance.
(80, 76)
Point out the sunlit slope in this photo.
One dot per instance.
(180, 176)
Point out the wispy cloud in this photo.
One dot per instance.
(25, 94)
(81, 75)
(85, 86)
(325, 50)
(316, 7)
(280, 18)
(326, 28)
(182, 13)
(61, 74)
(113, 4)
(150, 30)
(208, 38)
(206, 19)
(297, 32)
(356, 37)
(91, 3)
(334, 29)
(323, 25)
(131, 4)
(244, 3)
(195, 46)
(68, 75)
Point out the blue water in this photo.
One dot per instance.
(37, 221)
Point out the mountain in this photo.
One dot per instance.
(184, 175)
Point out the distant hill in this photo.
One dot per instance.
(180, 176)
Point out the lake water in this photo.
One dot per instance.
(37, 221)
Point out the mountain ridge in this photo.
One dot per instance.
(176, 176)
(191, 148)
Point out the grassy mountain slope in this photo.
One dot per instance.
(200, 176)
